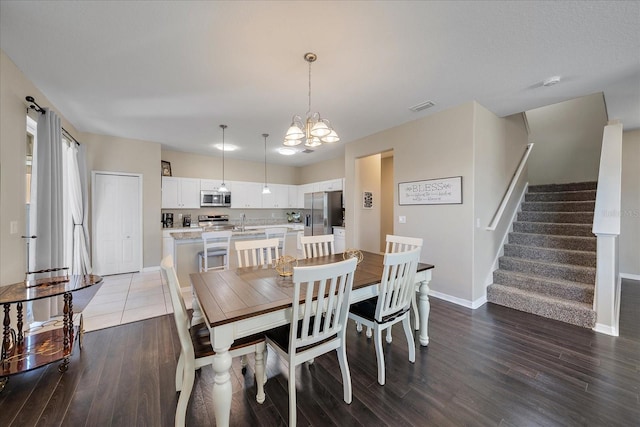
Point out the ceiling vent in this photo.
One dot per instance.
(422, 106)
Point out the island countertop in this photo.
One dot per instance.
(249, 231)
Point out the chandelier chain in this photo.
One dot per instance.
(309, 110)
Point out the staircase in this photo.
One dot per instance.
(549, 264)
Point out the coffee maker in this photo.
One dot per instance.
(167, 220)
(186, 220)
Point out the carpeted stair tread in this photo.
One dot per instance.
(562, 206)
(553, 228)
(563, 256)
(565, 289)
(562, 196)
(575, 273)
(571, 186)
(549, 262)
(580, 243)
(575, 313)
(556, 217)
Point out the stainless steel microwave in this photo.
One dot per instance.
(214, 198)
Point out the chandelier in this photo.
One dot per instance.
(314, 130)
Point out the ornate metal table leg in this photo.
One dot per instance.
(64, 365)
(65, 322)
(81, 333)
(6, 334)
(70, 330)
(3, 382)
(20, 324)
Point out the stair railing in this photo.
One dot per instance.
(512, 185)
(606, 227)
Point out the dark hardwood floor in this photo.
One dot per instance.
(490, 366)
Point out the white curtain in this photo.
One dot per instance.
(48, 207)
(79, 260)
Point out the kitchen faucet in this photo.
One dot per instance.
(243, 218)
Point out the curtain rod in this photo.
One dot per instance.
(34, 106)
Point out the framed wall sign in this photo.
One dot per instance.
(166, 168)
(440, 191)
(367, 200)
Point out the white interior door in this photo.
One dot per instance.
(117, 223)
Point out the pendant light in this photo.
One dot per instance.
(265, 190)
(223, 188)
(313, 130)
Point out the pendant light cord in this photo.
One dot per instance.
(265, 135)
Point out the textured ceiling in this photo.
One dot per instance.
(171, 72)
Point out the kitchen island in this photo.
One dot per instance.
(187, 244)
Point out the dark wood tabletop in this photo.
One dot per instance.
(229, 295)
(18, 292)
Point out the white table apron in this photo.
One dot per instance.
(222, 336)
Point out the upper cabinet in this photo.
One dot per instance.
(180, 193)
(246, 195)
(331, 185)
(278, 199)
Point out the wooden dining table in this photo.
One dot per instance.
(244, 301)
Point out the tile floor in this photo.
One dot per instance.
(126, 298)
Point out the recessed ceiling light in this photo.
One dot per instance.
(286, 151)
(227, 147)
(551, 81)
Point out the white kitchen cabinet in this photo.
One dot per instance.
(246, 195)
(293, 197)
(278, 199)
(331, 185)
(302, 190)
(180, 193)
(210, 184)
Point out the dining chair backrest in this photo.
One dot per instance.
(256, 252)
(397, 284)
(216, 243)
(179, 309)
(315, 246)
(332, 284)
(401, 243)
(279, 233)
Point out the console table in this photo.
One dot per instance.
(20, 352)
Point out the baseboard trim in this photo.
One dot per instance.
(608, 330)
(459, 301)
(630, 276)
(150, 269)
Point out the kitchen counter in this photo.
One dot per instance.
(185, 245)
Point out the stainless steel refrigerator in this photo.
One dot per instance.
(323, 210)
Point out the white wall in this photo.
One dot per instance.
(113, 154)
(499, 144)
(367, 221)
(568, 138)
(630, 210)
(435, 146)
(14, 86)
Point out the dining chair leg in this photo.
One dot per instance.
(180, 371)
(264, 359)
(389, 338)
(416, 313)
(346, 374)
(185, 393)
(259, 375)
(243, 363)
(406, 325)
(377, 340)
(292, 394)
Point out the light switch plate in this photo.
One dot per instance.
(13, 227)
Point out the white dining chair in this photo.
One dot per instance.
(216, 244)
(392, 304)
(256, 252)
(317, 326)
(279, 233)
(196, 349)
(315, 246)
